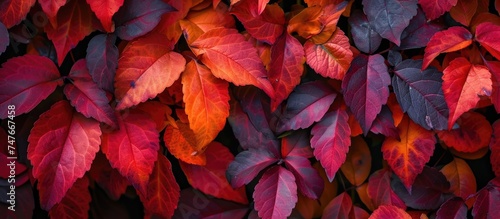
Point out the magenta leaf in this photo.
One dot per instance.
(339, 207)
(366, 88)
(296, 144)
(453, 208)
(308, 180)
(247, 165)
(379, 189)
(487, 199)
(390, 17)
(420, 95)
(4, 38)
(384, 124)
(102, 60)
(276, 193)
(419, 32)
(364, 36)
(307, 104)
(331, 140)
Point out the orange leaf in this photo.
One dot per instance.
(407, 157)
(464, 11)
(461, 178)
(473, 133)
(211, 18)
(207, 102)
(182, 145)
(452, 39)
(145, 68)
(389, 211)
(495, 148)
(357, 165)
(232, 58)
(329, 18)
(488, 35)
(463, 82)
(306, 23)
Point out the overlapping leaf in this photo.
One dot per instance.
(452, 39)
(461, 178)
(108, 178)
(4, 38)
(495, 148)
(473, 133)
(102, 60)
(435, 8)
(487, 34)
(389, 211)
(51, 7)
(247, 165)
(76, 202)
(463, 11)
(364, 36)
(358, 162)
(104, 10)
(180, 142)
(12, 12)
(380, 191)
(419, 31)
(454, 207)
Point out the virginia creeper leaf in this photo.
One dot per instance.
(76, 202)
(435, 8)
(296, 145)
(358, 162)
(453, 208)
(452, 39)
(145, 68)
(463, 82)
(247, 165)
(384, 124)
(276, 193)
(366, 88)
(380, 191)
(364, 36)
(133, 148)
(12, 12)
(307, 178)
(4, 38)
(180, 142)
(102, 60)
(463, 11)
(389, 211)
(461, 178)
(495, 148)
(25, 81)
(108, 178)
(487, 34)
(339, 207)
(331, 141)
(104, 10)
(473, 134)
(62, 146)
(51, 7)
(419, 31)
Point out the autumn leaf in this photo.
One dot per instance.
(339, 207)
(182, 145)
(12, 12)
(389, 211)
(435, 8)
(102, 60)
(384, 124)
(51, 7)
(358, 162)
(419, 31)
(329, 19)
(306, 23)
(76, 202)
(212, 18)
(380, 192)
(454, 207)
(364, 36)
(108, 178)
(26, 81)
(486, 200)
(450, 40)
(463, 11)
(495, 148)
(104, 10)
(62, 146)
(461, 178)
(159, 112)
(487, 36)
(473, 133)
(4, 38)
(247, 164)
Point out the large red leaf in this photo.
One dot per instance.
(247, 165)
(452, 39)
(232, 58)
(133, 148)
(464, 11)
(4, 38)
(390, 17)
(51, 7)
(104, 10)
(488, 35)
(145, 68)
(358, 162)
(389, 211)
(339, 207)
(206, 102)
(408, 156)
(473, 133)
(25, 81)
(62, 146)
(211, 178)
(180, 142)
(275, 194)
(163, 191)
(435, 8)
(331, 140)
(12, 12)
(380, 191)
(76, 202)
(332, 58)
(461, 178)
(102, 60)
(87, 97)
(495, 148)
(366, 88)
(286, 67)
(108, 178)
(463, 82)
(74, 22)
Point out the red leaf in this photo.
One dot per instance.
(74, 22)
(389, 211)
(494, 67)
(453, 208)
(102, 60)
(211, 18)
(488, 35)
(180, 142)
(486, 204)
(145, 68)
(463, 11)
(331, 141)
(4, 38)
(232, 58)
(62, 146)
(495, 148)
(296, 145)
(247, 165)
(366, 88)
(358, 163)
(163, 191)
(12, 12)
(211, 178)
(159, 112)
(133, 148)
(331, 59)
(275, 194)
(384, 124)
(473, 133)
(206, 102)
(51, 7)
(339, 207)
(26, 81)
(86, 97)
(463, 82)
(286, 67)
(307, 178)
(108, 178)
(104, 10)
(435, 8)
(408, 156)
(461, 178)
(380, 191)
(419, 31)
(76, 202)
(452, 39)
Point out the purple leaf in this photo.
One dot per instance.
(419, 32)
(247, 165)
(4, 38)
(296, 144)
(453, 208)
(307, 104)
(364, 36)
(331, 140)
(276, 193)
(308, 179)
(390, 17)
(420, 95)
(102, 60)
(339, 207)
(366, 88)
(136, 18)
(487, 199)
(394, 57)
(384, 124)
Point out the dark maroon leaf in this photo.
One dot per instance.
(364, 36)
(308, 180)
(453, 208)
(420, 95)
(366, 88)
(24, 201)
(394, 57)
(247, 165)
(428, 191)
(102, 60)
(390, 17)
(307, 104)
(275, 194)
(136, 18)
(296, 144)
(4, 38)
(339, 207)
(379, 189)
(419, 32)
(384, 124)
(487, 199)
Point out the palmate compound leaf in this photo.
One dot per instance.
(435, 8)
(62, 145)
(146, 67)
(366, 88)
(232, 58)
(408, 156)
(102, 60)
(76, 202)
(487, 34)
(450, 40)
(12, 12)
(206, 102)
(104, 10)
(25, 81)
(420, 95)
(132, 149)
(275, 194)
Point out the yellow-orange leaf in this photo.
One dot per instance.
(358, 162)
(180, 142)
(461, 178)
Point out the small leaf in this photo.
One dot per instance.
(450, 40)
(358, 162)
(104, 10)
(487, 34)
(247, 165)
(435, 8)
(12, 12)
(182, 145)
(473, 133)
(389, 211)
(364, 36)
(76, 202)
(461, 178)
(102, 60)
